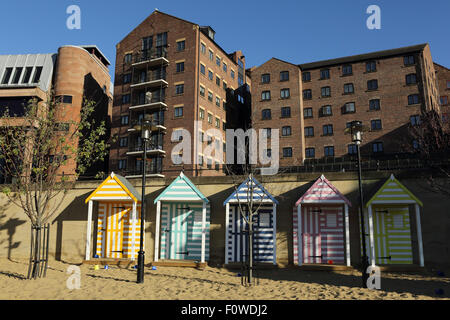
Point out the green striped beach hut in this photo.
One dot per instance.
(182, 223)
(389, 228)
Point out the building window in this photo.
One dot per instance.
(266, 114)
(307, 94)
(124, 120)
(202, 114)
(180, 67)
(307, 113)
(126, 78)
(202, 69)
(202, 48)
(349, 107)
(375, 125)
(200, 160)
(209, 163)
(371, 66)
(329, 151)
(126, 98)
(374, 104)
(210, 117)
(210, 75)
(411, 78)
(267, 133)
(17, 75)
(27, 76)
(232, 74)
(287, 152)
(128, 58)
(415, 120)
(211, 55)
(210, 96)
(284, 76)
(285, 93)
(326, 111)
(326, 92)
(310, 153)
(377, 147)
(218, 81)
(218, 61)
(372, 84)
(217, 123)
(328, 130)
(413, 99)
(218, 102)
(37, 74)
(352, 149)
(286, 112)
(181, 45)
(224, 126)
(123, 142)
(122, 164)
(265, 78)
(286, 131)
(64, 99)
(443, 100)
(348, 88)
(269, 153)
(448, 84)
(324, 74)
(179, 89)
(347, 70)
(309, 131)
(265, 95)
(224, 67)
(409, 60)
(306, 76)
(202, 91)
(178, 112)
(224, 85)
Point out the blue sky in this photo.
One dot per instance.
(298, 31)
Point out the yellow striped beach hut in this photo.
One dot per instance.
(118, 223)
(389, 227)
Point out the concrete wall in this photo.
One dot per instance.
(68, 230)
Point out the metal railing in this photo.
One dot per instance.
(150, 54)
(143, 101)
(150, 76)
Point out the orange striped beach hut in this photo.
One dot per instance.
(118, 223)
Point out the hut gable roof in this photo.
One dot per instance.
(181, 189)
(322, 191)
(260, 194)
(115, 187)
(393, 192)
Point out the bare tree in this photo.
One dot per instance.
(35, 150)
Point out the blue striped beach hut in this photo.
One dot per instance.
(264, 240)
(182, 223)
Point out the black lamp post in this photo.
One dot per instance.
(145, 128)
(356, 129)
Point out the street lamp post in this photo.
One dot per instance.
(145, 129)
(356, 129)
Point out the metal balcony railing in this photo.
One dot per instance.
(150, 54)
(149, 77)
(143, 100)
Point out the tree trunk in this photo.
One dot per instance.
(38, 251)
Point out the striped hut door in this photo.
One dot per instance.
(263, 235)
(398, 233)
(382, 254)
(114, 230)
(332, 235)
(237, 235)
(178, 222)
(101, 229)
(312, 246)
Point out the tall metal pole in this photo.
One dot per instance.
(141, 254)
(364, 258)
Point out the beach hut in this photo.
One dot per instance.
(182, 223)
(389, 228)
(118, 223)
(321, 226)
(264, 240)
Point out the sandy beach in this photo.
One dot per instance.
(169, 283)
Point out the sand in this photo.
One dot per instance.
(169, 283)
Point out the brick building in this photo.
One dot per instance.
(74, 73)
(311, 104)
(175, 71)
(443, 80)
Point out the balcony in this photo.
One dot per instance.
(147, 80)
(152, 172)
(149, 103)
(151, 57)
(154, 147)
(157, 125)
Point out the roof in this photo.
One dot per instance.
(322, 191)
(98, 52)
(181, 189)
(260, 194)
(115, 187)
(393, 192)
(362, 57)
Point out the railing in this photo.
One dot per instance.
(150, 54)
(154, 122)
(149, 170)
(144, 101)
(151, 76)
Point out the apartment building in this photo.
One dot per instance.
(73, 73)
(174, 71)
(443, 81)
(313, 103)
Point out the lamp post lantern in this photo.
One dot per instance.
(145, 128)
(356, 129)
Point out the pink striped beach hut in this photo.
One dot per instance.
(321, 226)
